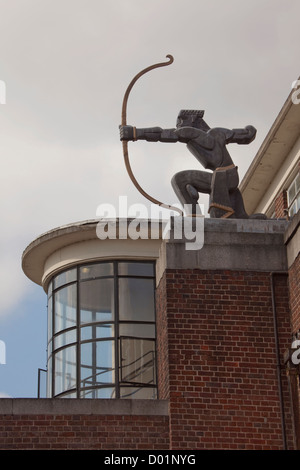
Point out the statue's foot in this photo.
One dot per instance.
(192, 192)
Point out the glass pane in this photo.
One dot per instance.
(97, 300)
(97, 331)
(136, 299)
(137, 360)
(98, 393)
(96, 270)
(65, 278)
(138, 392)
(293, 209)
(50, 318)
(139, 330)
(65, 338)
(97, 363)
(136, 269)
(291, 192)
(298, 182)
(49, 378)
(65, 308)
(65, 369)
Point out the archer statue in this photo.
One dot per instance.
(209, 147)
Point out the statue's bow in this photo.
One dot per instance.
(125, 143)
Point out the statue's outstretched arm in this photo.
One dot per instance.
(151, 134)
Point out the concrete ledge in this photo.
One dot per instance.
(230, 244)
(55, 406)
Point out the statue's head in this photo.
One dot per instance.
(191, 118)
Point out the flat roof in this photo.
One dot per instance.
(35, 256)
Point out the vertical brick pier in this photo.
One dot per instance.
(224, 323)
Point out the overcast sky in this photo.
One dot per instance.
(66, 65)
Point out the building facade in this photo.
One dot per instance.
(272, 186)
(183, 349)
(156, 343)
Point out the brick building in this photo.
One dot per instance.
(154, 344)
(272, 186)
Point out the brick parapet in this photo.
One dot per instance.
(83, 424)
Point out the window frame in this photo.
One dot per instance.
(294, 199)
(79, 391)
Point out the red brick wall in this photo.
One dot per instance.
(162, 341)
(294, 287)
(83, 432)
(223, 385)
(294, 290)
(281, 205)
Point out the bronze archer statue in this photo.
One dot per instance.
(209, 147)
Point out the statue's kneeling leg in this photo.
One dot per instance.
(187, 186)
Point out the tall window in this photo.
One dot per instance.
(101, 331)
(293, 193)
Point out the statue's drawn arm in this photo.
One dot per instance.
(240, 136)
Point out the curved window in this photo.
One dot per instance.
(101, 331)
